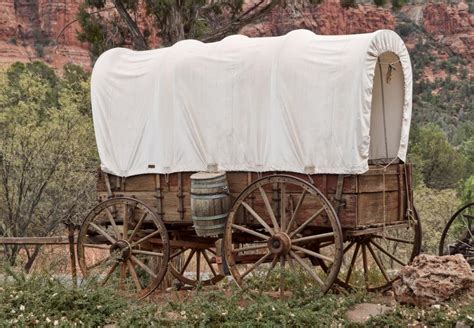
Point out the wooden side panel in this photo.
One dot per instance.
(362, 194)
(371, 208)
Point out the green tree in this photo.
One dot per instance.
(467, 191)
(173, 20)
(47, 153)
(440, 164)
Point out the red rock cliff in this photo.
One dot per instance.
(29, 28)
(28, 31)
(451, 25)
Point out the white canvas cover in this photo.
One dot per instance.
(300, 102)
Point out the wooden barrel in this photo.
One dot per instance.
(210, 202)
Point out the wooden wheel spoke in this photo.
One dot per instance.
(249, 248)
(326, 244)
(102, 232)
(272, 266)
(112, 222)
(282, 275)
(464, 243)
(138, 242)
(143, 266)
(283, 207)
(308, 221)
(256, 264)
(258, 218)
(312, 253)
(365, 265)
(123, 275)
(109, 273)
(100, 246)
(134, 275)
(400, 240)
(139, 224)
(198, 265)
(250, 232)
(353, 260)
(290, 261)
(314, 237)
(186, 263)
(387, 253)
(269, 208)
(139, 251)
(125, 221)
(466, 219)
(98, 263)
(348, 247)
(306, 267)
(379, 262)
(178, 252)
(208, 261)
(295, 212)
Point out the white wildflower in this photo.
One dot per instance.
(292, 315)
(22, 307)
(12, 311)
(48, 319)
(56, 323)
(99, 307)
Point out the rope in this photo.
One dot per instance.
(383, 203)
(409, 213)
(392, 63)
(383, 110)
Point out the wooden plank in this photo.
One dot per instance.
(375, 229)
(375, 183)
(371, 208)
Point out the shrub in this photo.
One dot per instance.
(348, 3)
(441, 165)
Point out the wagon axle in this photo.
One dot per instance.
(121, 248)
(279, 244)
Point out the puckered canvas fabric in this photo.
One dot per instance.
(300, 103)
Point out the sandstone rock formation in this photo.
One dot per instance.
(451, 25)
(29, 28)
(28, 31)
(434, 279)
(327, 18)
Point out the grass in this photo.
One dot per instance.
(42, 301)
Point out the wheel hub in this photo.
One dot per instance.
(122, 249)
(279, 243)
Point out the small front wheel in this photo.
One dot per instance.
(123, 243)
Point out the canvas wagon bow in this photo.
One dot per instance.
(299, 142)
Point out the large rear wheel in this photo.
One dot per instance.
(271, 232)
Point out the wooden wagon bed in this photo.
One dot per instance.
(376, 197)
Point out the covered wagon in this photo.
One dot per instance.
(253, 157)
